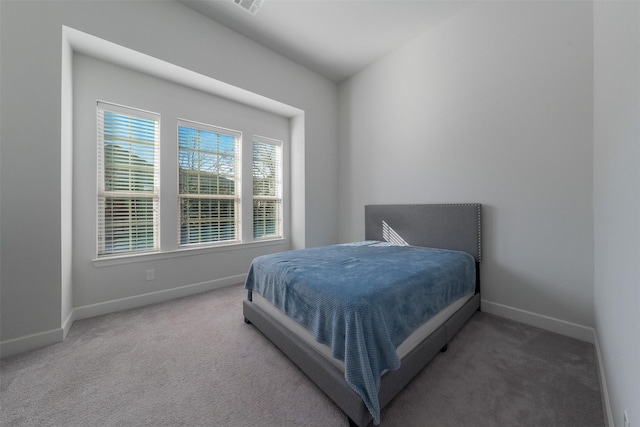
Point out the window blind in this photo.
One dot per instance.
(267, 188)
(208, 183)
(128, 180)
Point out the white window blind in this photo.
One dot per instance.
(209, 182)
(267, 188)
(128, 180)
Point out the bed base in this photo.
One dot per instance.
(331, 380)
(447, 226)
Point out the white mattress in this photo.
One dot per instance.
(407, 345)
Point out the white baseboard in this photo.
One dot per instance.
(98, 309)
(30, 342)
(42, 339)
(562, 327)
(606, 403)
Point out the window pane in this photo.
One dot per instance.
(266, 169)
(128, 224)
(266, 214)
(207, 162)
(207, 220)
(129, 153)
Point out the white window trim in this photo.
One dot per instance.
(181, 252)
(102, 193)
(280, 196)
(238, 185)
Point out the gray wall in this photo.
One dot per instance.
(617, 201)
(492, 106)
(36, 289)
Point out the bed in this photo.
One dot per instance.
(342, 327)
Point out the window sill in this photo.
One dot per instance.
(182, 252)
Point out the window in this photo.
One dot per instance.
(128, 180)
(267, 188)
(208, 210)
(208, 183)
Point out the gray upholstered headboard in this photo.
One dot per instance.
(445, 226)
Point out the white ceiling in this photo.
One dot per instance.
(335, 38)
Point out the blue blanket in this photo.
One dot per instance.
(363, 299)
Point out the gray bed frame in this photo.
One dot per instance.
(446, 226)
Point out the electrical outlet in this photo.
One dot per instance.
(151, 274)
(627, 423)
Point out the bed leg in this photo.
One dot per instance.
(247, 321)
(443, 349)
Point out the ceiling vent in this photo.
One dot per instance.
(249, 5)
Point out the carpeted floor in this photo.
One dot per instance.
(194, 362)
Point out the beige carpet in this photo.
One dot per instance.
(194, 362)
